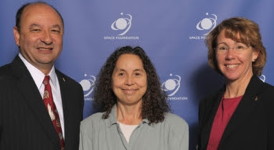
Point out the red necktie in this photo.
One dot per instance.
(48, 101)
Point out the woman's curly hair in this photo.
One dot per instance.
(154, 100)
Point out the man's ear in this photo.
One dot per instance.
(16, 35)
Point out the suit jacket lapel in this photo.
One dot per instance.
(215, 101)
(33, 99)
(245, 107)
(65, 94)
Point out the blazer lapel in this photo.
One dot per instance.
(32, 97)
(71, 110)
(65, 94)
(245, 107)
(215, 101)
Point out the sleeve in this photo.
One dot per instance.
(271, 130)
(179, 133)
(270, 118)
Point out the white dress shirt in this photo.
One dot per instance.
(38, 77)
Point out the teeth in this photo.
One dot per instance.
(129, 91)
(42, 48)
(231, 66)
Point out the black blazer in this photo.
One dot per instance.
(251, 127)
(24, 120)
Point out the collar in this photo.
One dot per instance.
(37, 75)
(113, 116)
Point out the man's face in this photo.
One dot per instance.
(40, 36)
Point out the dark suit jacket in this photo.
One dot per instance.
(24, 120)
(251, 127)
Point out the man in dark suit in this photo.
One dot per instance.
(26, 122)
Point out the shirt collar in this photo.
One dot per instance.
(113, 120)
(112, 116)
(37, 75)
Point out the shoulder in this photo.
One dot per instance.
(68, 80)
(64, 76)
(92, 120)
(5, 71)
(15, 69)
(258, 87)
(7, 77)
(177, 130)
(269, 89)
(262, 90)
(267, 94)
(212, 96)
(175, 121)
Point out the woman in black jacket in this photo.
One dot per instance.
(240, 116)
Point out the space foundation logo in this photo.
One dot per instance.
(262, 77)
(205, 25)
(172, 86)
(121, 26)
(88, 84)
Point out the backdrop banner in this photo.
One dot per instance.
(171, 32)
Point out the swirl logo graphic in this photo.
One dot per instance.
(172, 85)
(262, 77)
(208, 23)
(88, 85)
(123, 23)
